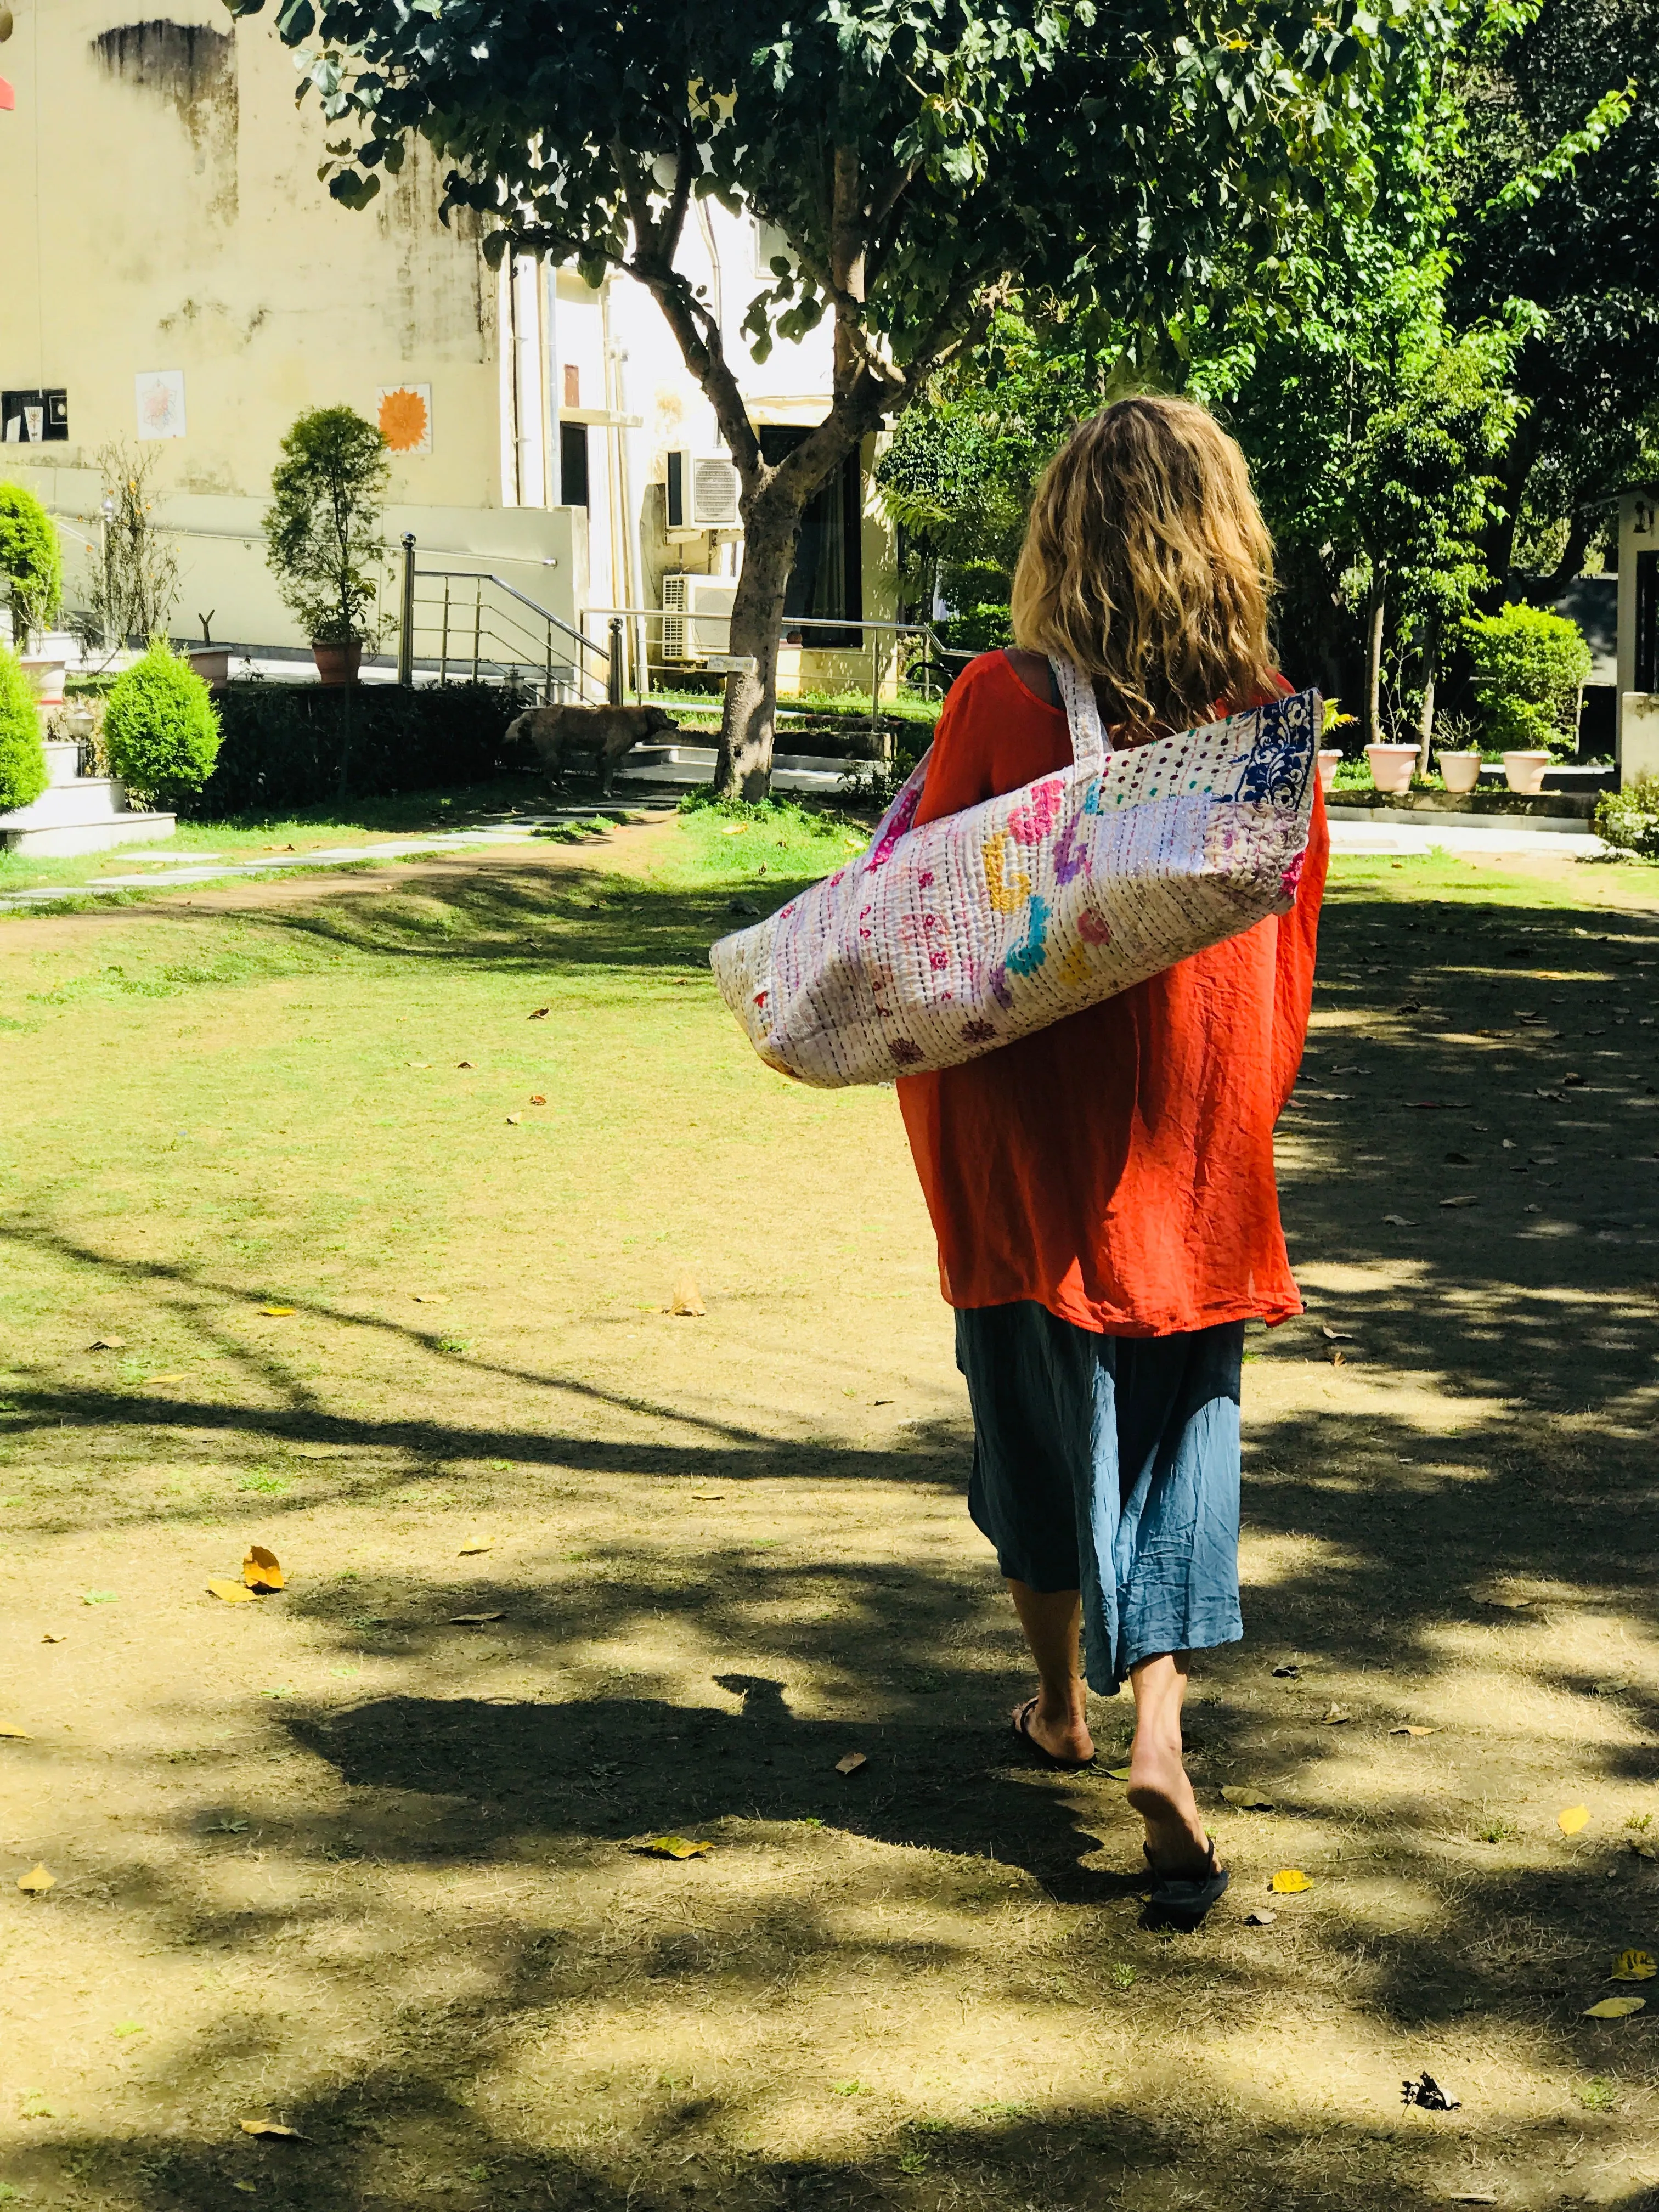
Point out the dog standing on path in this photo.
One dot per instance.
(600, 738)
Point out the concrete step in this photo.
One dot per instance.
(63, 760)
(89, 815)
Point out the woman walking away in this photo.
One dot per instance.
(1103, 1191)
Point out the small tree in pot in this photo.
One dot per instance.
(323, 533)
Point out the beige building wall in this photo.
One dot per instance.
(161, 214)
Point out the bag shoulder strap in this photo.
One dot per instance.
(1089, 744)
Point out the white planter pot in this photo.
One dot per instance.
(45, 673)
(1328, 763)
(1459, 771)
(1392, 766)
(1525, 772)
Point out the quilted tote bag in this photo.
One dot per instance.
(941, 943)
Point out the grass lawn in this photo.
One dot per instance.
(568, 1571)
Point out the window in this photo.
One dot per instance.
(826, 581)
(573, 464)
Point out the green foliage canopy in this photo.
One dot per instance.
(1529, 668)
(29, 560)
(323, 528)
(22, 762)
(160, 729)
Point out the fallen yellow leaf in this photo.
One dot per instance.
(1289, 1881)
(475, 1544)
(430, 1297)
(167, 1378)
(6, 1729)
(276, 1313)
(850, 1762)
(1635, 1967)
(1571, 1818)
(37, 1881)
(515, 1117)
(262, 1570)
(272, 2128)
(232, 1593)
(1246, 1799)
(473, 1619)
(1334, 1717)
(1614, 2009)
(687, 1298)
(736, 830)
(679, 1847)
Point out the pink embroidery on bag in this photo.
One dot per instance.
(1291, 879)
(895, 829)
(1091, 929)
(1029, 825)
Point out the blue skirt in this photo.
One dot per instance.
(1109, 1465)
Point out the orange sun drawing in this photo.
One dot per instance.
(406, 417)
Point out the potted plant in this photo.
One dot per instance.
(1392, 767)
(323, 534)
(1330, 757)
(1458, 755)
(1530, 668)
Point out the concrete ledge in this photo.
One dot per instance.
(1517, 815)
(1486, 807)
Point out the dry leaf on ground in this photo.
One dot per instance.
(687, 1298)
(1406, 1729)
(1336, 1335)
(1612, 2008)
(272, 2128)
(1290, 1881)
(49, 1638)
(1498, 1593)
(232, 1593)
(1287, 1671)
(419, 1065)
(1117, 1774)
(1261, 1916)
(430, 1297)
(276, 1313)
(1635, 1967)
(1334, 1715)
(851, 1762)
(463, 1063)
(674, 1847)
(262, 1570)
(37, 1881)
(736, 830)
(1248, 1800)
(1571, 1818)
(1398, 1221)
(107, 1344)
(1459, 1202)
(473, 1619)
(1431, 2094)
(165, 1378)
(6, 1729)
(515, 1118)
(1337, 1358)
(540, 1014)
(475, 1544)
(538, 1098)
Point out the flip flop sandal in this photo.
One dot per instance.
(1044, 1758)
(1182, 1901)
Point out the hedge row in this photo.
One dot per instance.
(286, 745)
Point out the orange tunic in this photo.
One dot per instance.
(1116, 1167)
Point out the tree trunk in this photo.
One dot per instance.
(1372, 726)
(1425, 715)
(748, 721)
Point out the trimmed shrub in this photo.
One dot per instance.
(1529, 667)
(160, 730)
(282, 745)
(1629, 820)
(29, 561)
(22, 764)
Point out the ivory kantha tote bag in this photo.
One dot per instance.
(938, 944)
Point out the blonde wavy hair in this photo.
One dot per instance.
(1147, 563)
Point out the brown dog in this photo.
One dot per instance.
(602, 737)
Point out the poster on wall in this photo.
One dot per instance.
(404, 414)
(160, 394)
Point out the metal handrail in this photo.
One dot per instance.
(502, 643)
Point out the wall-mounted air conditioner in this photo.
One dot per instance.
(696, 617)
(702, 492)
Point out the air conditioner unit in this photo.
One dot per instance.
(702, 492)
(696, 616)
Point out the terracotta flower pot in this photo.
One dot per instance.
(337, 664)
(1328, 762)
(1524, 772)
(1459, 771)
(1392, 766)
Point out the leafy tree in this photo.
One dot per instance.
(22, 762)
(323, 532)
(160, 729)
(922, 159)
(29, 561)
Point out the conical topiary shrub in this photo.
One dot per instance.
(22, 764)
(160, 730)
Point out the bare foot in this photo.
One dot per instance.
(1161, 1792)
(1060, 1730)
